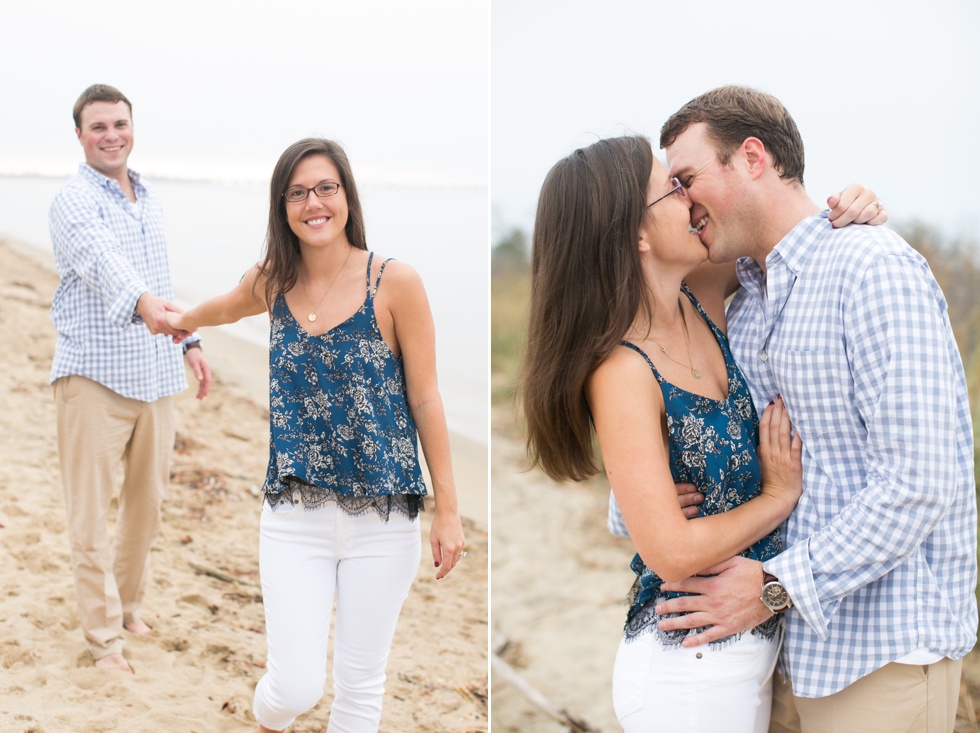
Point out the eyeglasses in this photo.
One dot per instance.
(297, 193)
(678, 188)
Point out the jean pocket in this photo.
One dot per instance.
(631, 674)
(279, 507)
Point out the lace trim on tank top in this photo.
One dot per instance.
(313, 497)
(647, 621)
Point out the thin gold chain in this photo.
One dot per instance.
(312, 316)
(687, 334)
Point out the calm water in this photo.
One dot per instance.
(215, 232)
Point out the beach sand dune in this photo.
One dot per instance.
(196, 671)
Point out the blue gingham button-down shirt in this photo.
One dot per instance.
(108, 252)
(850, 327)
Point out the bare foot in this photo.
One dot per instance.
(136, 626)
(114, 663)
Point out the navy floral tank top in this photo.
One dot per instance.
(340, 427)
(713, 446)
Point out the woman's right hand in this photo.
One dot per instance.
(780, 456)
(175, 319)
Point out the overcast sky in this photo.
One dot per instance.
(220, 88)
(885, 92)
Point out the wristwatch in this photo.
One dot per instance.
(774, 595)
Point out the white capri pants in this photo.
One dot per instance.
(306, 560)
(699, 690)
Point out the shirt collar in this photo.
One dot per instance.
(794, 251)
(749, 273)
(84, 169)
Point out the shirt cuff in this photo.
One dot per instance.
(191, 342)
(122, 311)
(793, 569)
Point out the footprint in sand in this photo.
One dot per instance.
(176, 644)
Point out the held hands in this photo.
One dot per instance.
(175, 319)
(154, 311)
(780, 456)
(856, 205)
(446, 539)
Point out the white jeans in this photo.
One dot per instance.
(698, 690)
(306, 559)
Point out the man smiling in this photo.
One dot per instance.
(850, 327)
(113, 380)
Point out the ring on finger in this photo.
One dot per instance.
(878, 204)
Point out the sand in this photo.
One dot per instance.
(559, 586)
(196, 671)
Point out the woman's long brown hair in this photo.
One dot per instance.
(587, 287)
(280, 268)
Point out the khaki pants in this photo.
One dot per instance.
(97, 430)
(898, 698)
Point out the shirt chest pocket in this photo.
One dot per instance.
(814, 385)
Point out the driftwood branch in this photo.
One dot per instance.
(222, 575)
(515, 680)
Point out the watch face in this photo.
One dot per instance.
(775, 596)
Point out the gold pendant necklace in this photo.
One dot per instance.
(312, 316)
(694, 372)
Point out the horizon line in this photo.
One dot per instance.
(249, 180)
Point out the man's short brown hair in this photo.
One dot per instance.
(734, 113)
(98, 93)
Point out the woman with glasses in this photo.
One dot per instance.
(351, 378)
(626, 337)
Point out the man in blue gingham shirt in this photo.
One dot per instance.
(109, 252)
(881, 550)
(850, 327)
(115, 370)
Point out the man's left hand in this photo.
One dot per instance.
(202, 371)
(728, 602)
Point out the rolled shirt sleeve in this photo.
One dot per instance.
(91, 251)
